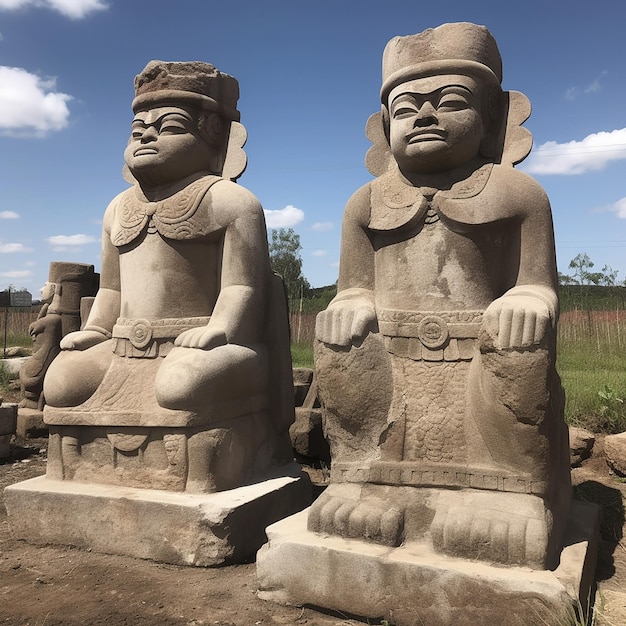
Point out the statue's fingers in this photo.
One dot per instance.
(516, 338)
(505, 321)
(541, 328)
(530, 326)
(359, 325)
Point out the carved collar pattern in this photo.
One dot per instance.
(396, 204)
(175, 217)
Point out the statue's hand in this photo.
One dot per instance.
(203, 337)
(344, 322)
(82, 339)
(517, 321)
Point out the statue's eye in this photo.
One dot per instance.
(452, 100)
(452, 103)
(404, 109)
(172, 128)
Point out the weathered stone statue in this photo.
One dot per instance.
(180, 379)
(445, 313)
(435, 362)
(67, 284)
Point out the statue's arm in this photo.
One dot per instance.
(525, 312)
(352, 314)
(239, 311)
(106, 306)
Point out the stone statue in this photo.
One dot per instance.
(436, 360)
(67, 284)
(181, 376)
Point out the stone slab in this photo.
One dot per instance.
(30, 423)
(8, 418)
(414, 585)
(14, 364)
(169, 527)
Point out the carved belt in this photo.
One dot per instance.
(430, 335)
(141, 338)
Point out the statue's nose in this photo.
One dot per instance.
(426, 114)
(149, 134)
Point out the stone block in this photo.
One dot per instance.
(177, 528)
(615, 452)
(30, 423)
(8, 419)
(414, 585)
(581, 444)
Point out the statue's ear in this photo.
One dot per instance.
(508, 142)
(518, 140)
(378, 157)
(236, 160)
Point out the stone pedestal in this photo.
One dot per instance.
(177, 528)
(30, 423)
(414, 585)
(8, 418)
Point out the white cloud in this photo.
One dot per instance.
(8, 215)
(17, 274)
(322, 227)
(62, 243)
(28, 104)
(591, 154)
(595, 86)
(284, 218)
(319, 253)
(74, 9)
(618, 207)
(10, 248)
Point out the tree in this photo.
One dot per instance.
(582, 264)
(286, 260)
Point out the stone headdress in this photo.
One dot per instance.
(459, 48)
(203, 87)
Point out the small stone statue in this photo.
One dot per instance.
(181, 377)
(436, 360)
(67, 284)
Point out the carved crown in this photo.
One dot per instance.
(460, 47)
(196, 83)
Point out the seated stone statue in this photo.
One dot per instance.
(436, 360)
(67, 284)
(181, 377)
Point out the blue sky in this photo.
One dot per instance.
(309, 75)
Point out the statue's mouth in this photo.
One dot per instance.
(430, 134)
(143, 151)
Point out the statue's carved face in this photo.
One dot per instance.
(435, 123)
(165, 146)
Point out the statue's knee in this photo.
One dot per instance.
(74, 375)
(190, 376)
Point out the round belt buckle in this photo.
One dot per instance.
(140, 334)
(433, 332)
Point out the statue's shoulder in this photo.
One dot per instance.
(358, 208)
(113, 208)
(229, 201)
(524, 192)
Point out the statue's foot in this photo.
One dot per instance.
(346, 510)
(498, 527)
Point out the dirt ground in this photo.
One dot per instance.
(51, 586)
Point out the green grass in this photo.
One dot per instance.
(592, 365)
(302, 355)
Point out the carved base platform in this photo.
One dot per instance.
(414, 585)
(177, 528)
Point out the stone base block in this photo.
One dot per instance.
(30, 423)
(169, 527)
(414, 585)
(8, 418)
